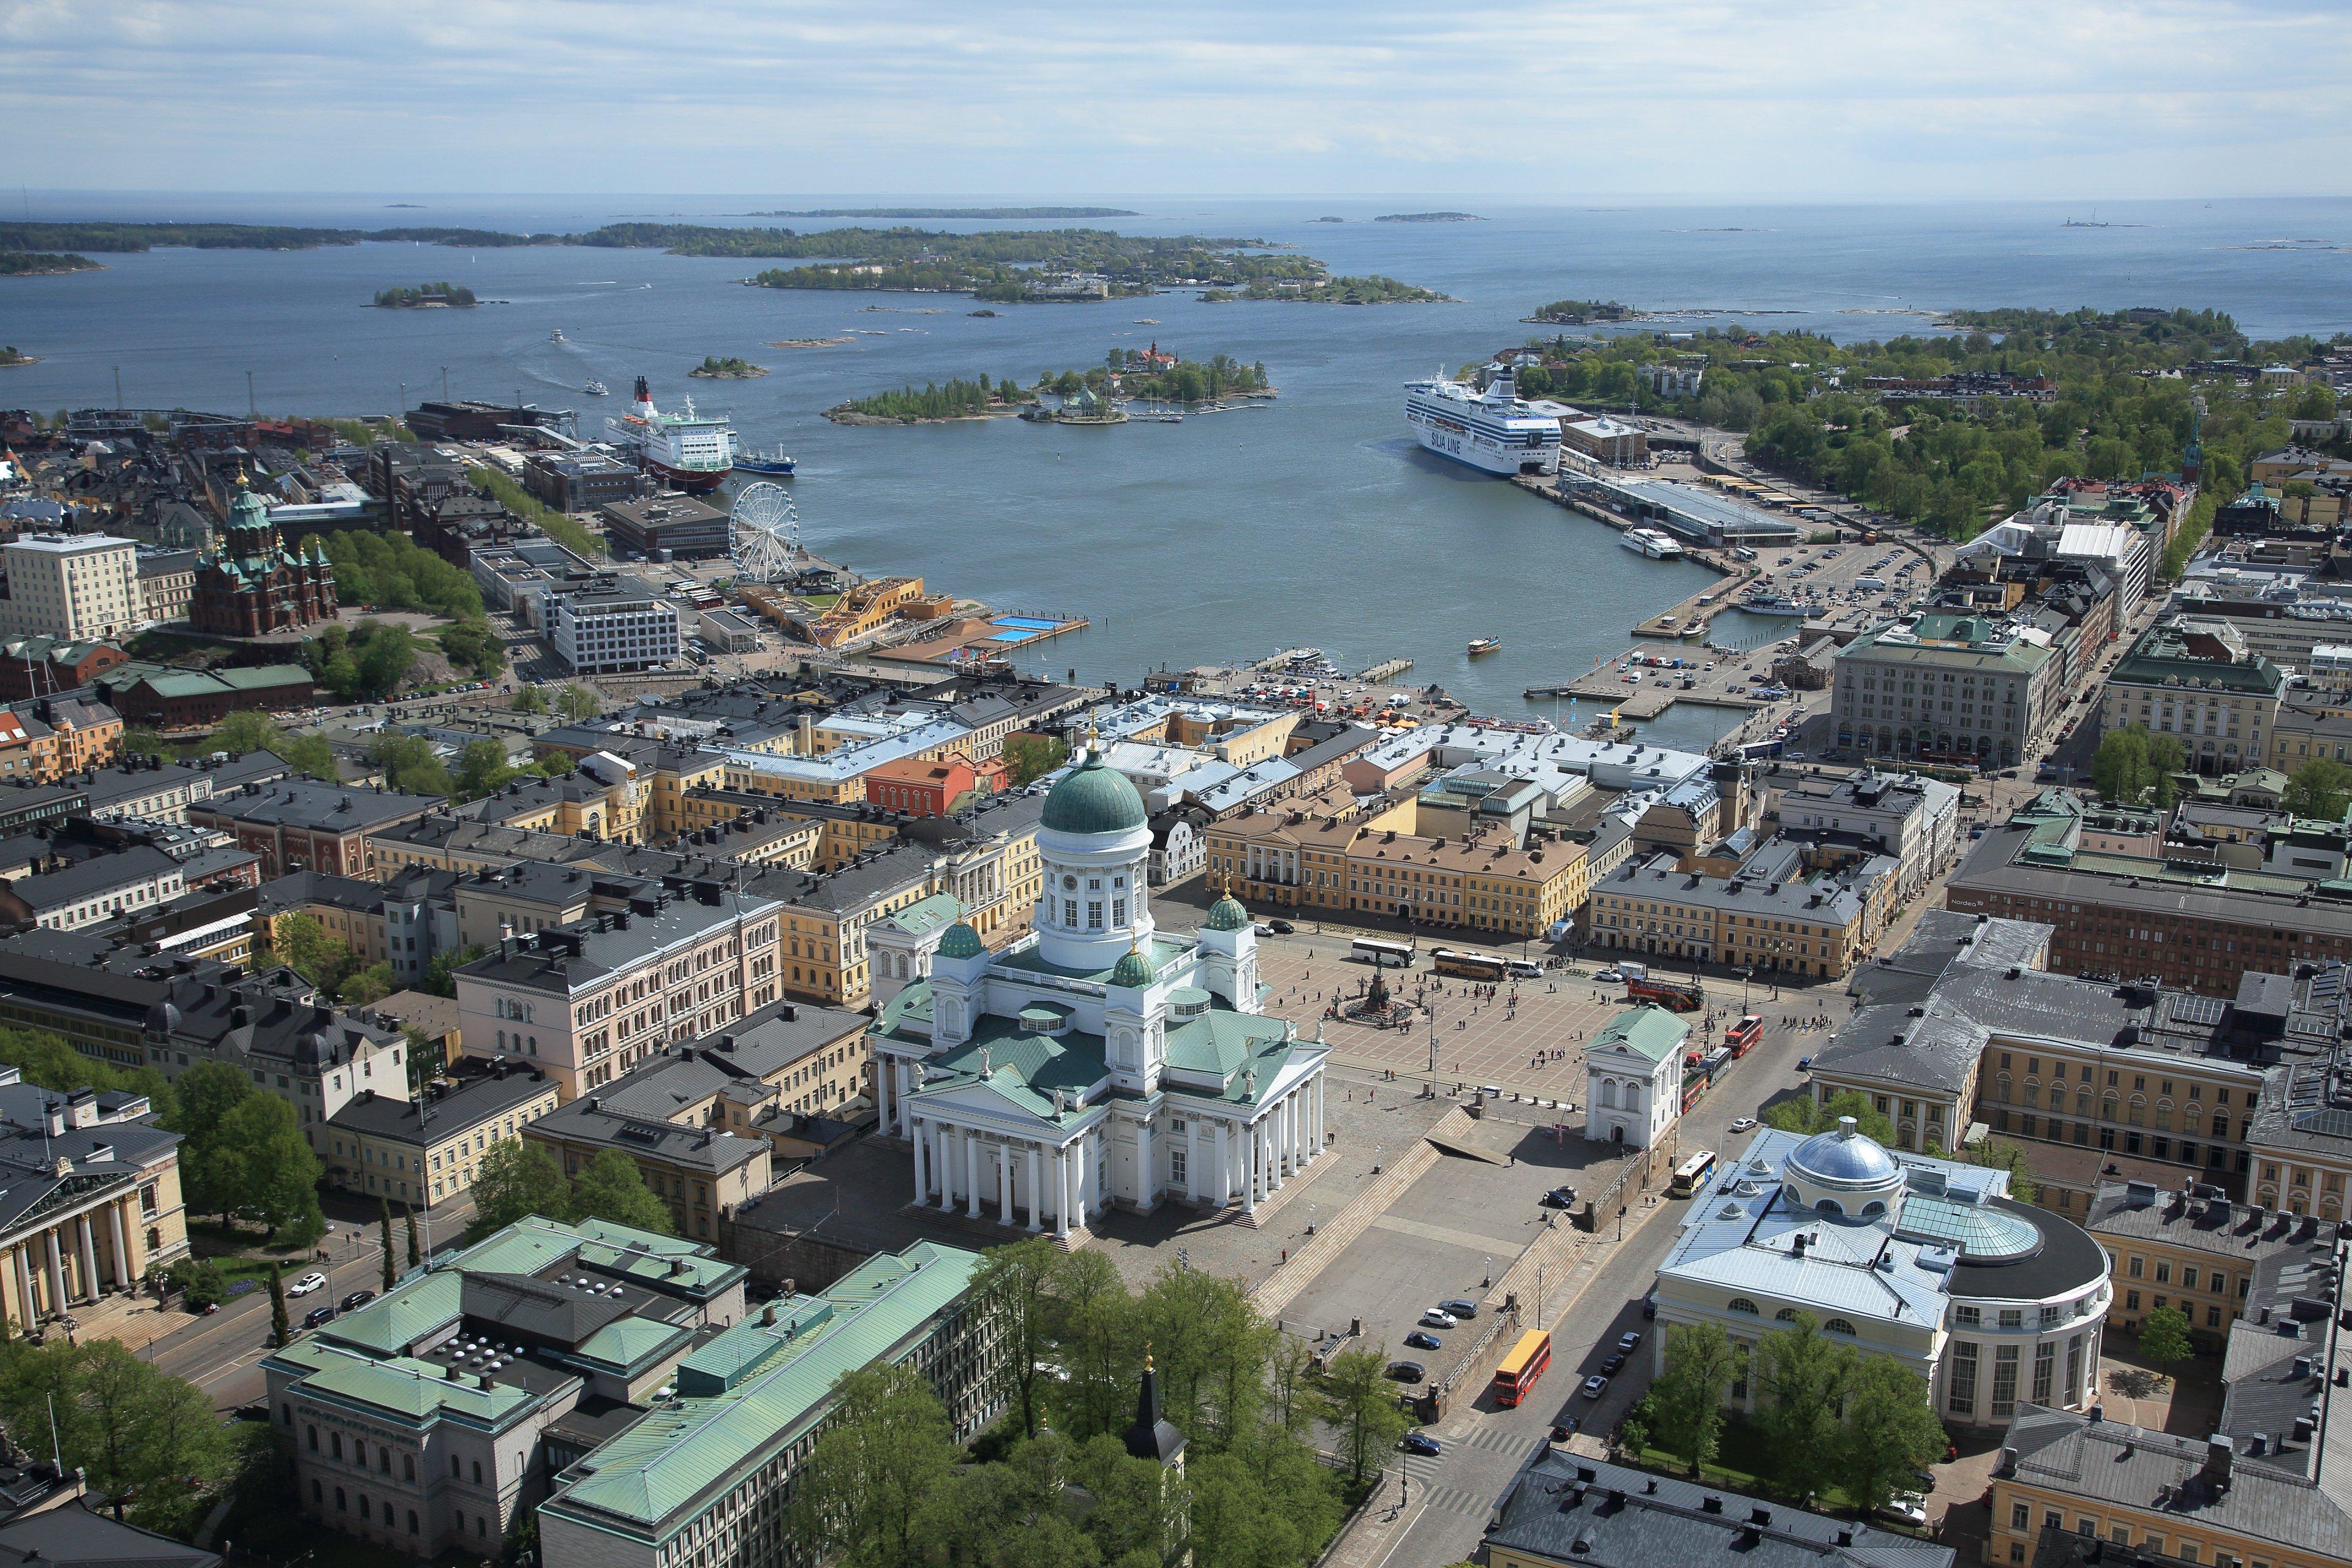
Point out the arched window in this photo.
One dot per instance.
(1785, 1315)
(1838, 1326)
(1608, 1094)
(1742, 1304)
(1829, 1206)
(1871, 1207)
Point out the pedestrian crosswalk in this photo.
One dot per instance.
(1456, 1499)
(1498, 1438)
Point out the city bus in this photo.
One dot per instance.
(1381, 951)
(1742, 1036)
(1522, 1367)
(1693, 1173)
(1469, 965)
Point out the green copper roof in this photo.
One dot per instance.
(1093, 798)
(1651, 1032)
(961, 941)
(771, 1383)
(1227, 914)
(1132, 968)
(925, 915)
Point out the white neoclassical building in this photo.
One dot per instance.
(1993, 1302)
(1094, 1061)
(1634, 1078)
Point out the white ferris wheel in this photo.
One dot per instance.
(763, 533)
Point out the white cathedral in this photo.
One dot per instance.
(1094, 1061)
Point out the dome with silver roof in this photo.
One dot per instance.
(1843, 1172)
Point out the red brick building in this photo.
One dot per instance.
(922, 788)
(255, 585)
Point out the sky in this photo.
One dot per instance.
(1788, 100)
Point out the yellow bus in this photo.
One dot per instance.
(1522, 1367)
(1693, 1173)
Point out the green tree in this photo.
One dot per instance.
(1028, 757)
(212, 1169)
(2163, 1336)
(1014, 1284)
(199, 1281)
(2000, 1154)
(384, 1235)
(576, 701)
(530, 699)
(410, 763)
(280, 1175)
(363, 986)
(415, 1252)
(1139, 1507)
(247, 732)
(2320, 789)
(135, 1431)
(441, 969)
(301, 943)
(1095, 1333)
(1291, 1366)
(46, 1059)
(513, 1179)
(1687, 1398)
(281, 1327)
(1802, 1374)
(610, 1188)
(309, 755)
(138, 740)
(1361, 1406)
(862, 1488)
(482, 767)
(1889, 1430)
(1810, 1116)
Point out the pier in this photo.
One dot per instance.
(1684, 622)
(1386, 669)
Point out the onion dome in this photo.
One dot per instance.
(1093, 798)
(1227, 914)
(961, 941)
(1132, 970)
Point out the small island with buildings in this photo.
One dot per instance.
(731, 368)
(426, 297)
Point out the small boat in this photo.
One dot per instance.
(1145, 321)
(555, 336)
(774, 465)
(594, 389)
(1484, 645)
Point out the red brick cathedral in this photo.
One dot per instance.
(256, 584)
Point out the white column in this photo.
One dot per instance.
(885, 1081)
(1224, 1167)
(922, 1188)
(1004, 1183)
(1192, 1159)
(32, 1314)
(1249, 1169)
(1035, 1192)
(942, 1172)
(1062, 1191)
(1321, 1137)
(1086, 1174)
(53, 1258)
(971, 1174)
(1147, 1183)
(87, 1239)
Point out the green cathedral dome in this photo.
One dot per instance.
(1227, 914)
(1133, 970)
(1093, 798)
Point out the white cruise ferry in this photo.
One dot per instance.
(694, 452)
(1653, 542)
(1493, 430)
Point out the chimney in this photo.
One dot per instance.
(1710, 1504)
(807, 742)
(2217, 1457)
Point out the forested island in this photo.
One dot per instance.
(1581, 313)
(1014, 266)
(1956, 431)
(1136, 372)
(9, 356)
(42, 264)
(1428, 217)
(934, 404)
(1021, 214)
(427, 297)
(1374, 289)
(713, 368)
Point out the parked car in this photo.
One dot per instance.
(1563, 1430)
(1595, 1387)
(1406, 1371)
(314, 1280)
(1420, 1443)
(1649, 1305)
(1907, 1510)
(1613, 1363)
(1437, 1318)
(1804, 1064)
(1465, 1310)
(1558, 1198)
(1744, 1124)
(1609, 976)
(1281, 928)
(318, 1315)
(1423, 1339)
(358, 1298)
(1627, 1341)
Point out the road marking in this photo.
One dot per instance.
(1464, 1238)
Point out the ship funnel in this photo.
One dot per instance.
(644, 393)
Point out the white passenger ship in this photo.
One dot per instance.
(1493, 430)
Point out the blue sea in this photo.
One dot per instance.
(1312, 520)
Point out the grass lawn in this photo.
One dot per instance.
(1740, 1464)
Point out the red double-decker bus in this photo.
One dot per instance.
(1522, 1367)
(1742, 1036)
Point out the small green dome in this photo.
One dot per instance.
(961, 941)
(1093, 798)
(247, 510)
(1227, 914)
(1133, 970)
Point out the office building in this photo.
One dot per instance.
(305, 824)
(686, 528)
(1947, 688)
(79, 586)
(2193, 677)
(424, 1151)
(611, 628)
(1777, 907)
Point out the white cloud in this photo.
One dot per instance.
(1841, 99)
